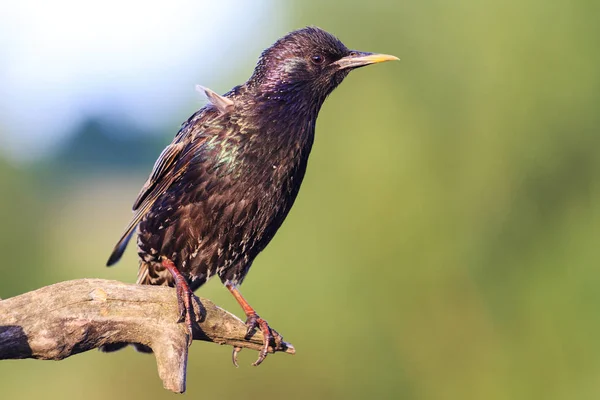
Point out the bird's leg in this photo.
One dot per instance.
(185, 296)
(253, 321)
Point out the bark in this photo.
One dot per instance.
(71, 317)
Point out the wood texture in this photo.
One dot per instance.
(71, 317)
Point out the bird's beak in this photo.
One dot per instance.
(358, 59)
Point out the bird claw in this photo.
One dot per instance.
(234, 355)
(253, 322)
(270, 336)
(251, 325)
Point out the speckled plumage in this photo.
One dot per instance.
(235, 191)
(220, 191)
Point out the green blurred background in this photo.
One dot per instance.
(444, 242)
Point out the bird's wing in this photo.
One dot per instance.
(165, 162)
(142, 209)
(162, 176)
(171, 164)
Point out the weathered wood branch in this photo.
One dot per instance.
(71, 317)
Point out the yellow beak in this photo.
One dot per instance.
(358, 59)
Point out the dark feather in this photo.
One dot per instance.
(163, 165)
(218, 194)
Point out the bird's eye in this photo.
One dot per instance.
(317, 59)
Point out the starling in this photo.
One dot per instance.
(219, 192)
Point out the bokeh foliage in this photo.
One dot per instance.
(443, 245)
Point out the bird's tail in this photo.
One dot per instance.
(112, 347)
(143, 274)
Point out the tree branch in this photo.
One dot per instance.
(71, 317)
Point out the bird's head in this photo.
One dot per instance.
(308, 63)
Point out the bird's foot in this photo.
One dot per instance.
(270, 336)
(186, 300)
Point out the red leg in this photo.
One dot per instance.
(184, 296)
(253, 321)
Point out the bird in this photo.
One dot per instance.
(219, 192)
